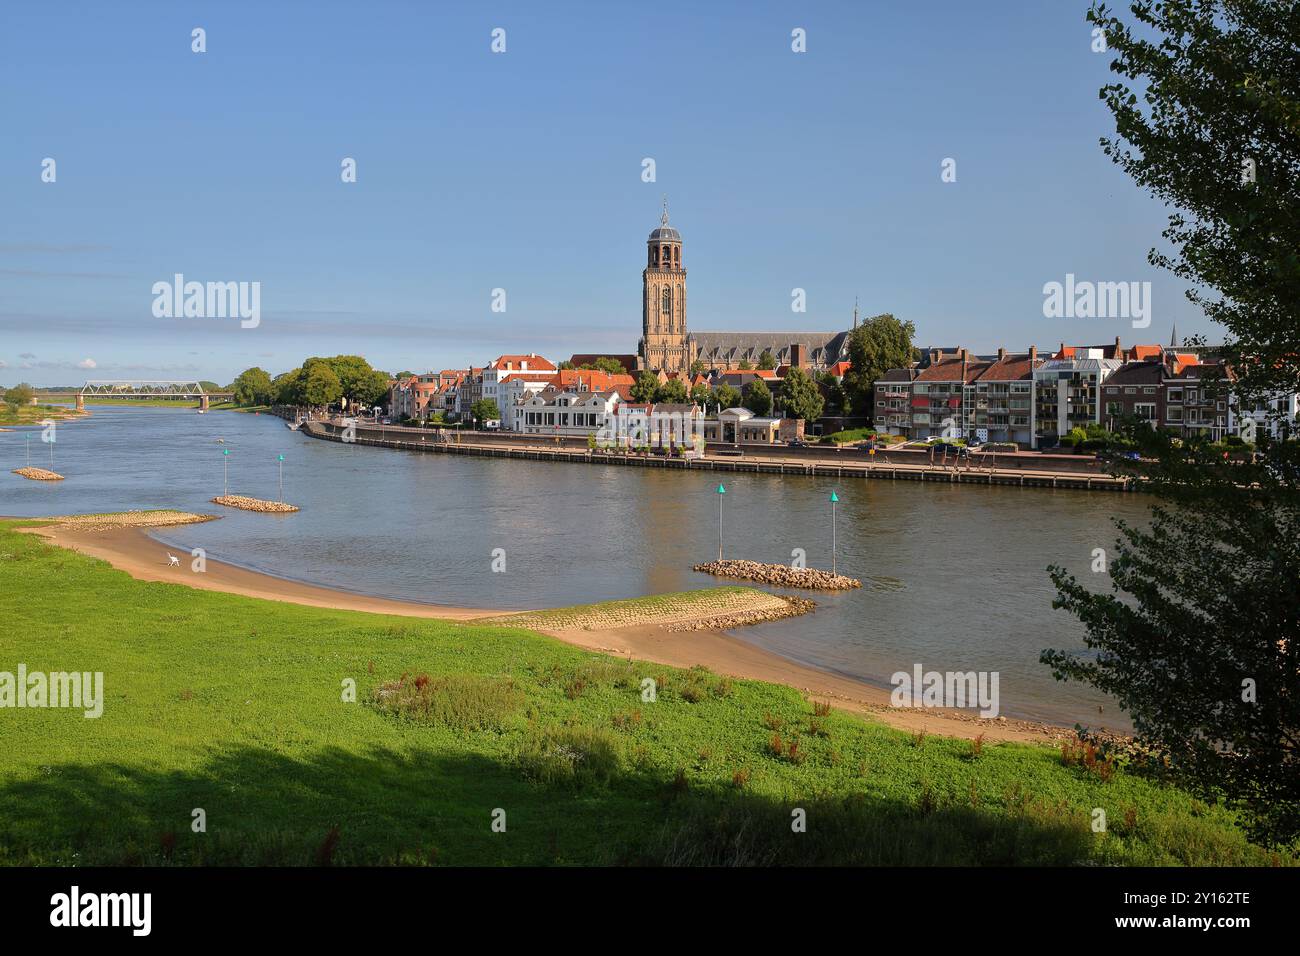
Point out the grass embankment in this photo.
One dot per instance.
(235, 706)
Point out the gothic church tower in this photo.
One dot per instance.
(663, 302)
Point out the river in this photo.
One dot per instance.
(954, 575)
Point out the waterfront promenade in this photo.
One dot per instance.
(757, 459)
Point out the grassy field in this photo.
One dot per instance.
(236, 706)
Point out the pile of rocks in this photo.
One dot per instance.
(38, 474)
(780, 575)
(253, 504)
(792, 606)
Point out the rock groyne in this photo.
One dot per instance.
(779, 575)
(254, 504)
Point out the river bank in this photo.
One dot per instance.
(128, 547)
(755, 459)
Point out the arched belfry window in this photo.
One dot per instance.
(667, 303)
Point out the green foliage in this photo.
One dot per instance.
(701, 394)
(766, 361)
(21, 394)
(800, 397)
(459, 701)
(320, 385)
(253, 387)
(1206, 104)
(1197, 637)
(645, 387)
(485, 409)
(672, 391)
(726, 396)
(757, 397)
(876, 346)
(745, 365)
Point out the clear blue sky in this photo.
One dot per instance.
(523, 171)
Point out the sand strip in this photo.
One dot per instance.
(131, 550)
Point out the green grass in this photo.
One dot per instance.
(240, 707)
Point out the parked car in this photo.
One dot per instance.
(797, 443)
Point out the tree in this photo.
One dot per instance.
(565, 365)
(253, 387)
(757, 397)
(485, 410)
(288, 388)
(672, 391)
(20, 394)
(1213, 130)
(611, 366)
(745, 365)
(832, 391)
(1197, 638)
(876, 346)
(645, 387)
(698, 367)
(800, 397)
(766, 361)
(701, 394)
(727, 396)
(321, 386)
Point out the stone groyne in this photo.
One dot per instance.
(253, 504)
(779, 575)
(38, 474)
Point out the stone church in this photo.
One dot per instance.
(667, 346)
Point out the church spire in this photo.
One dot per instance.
(664, 218)
(1173, 337)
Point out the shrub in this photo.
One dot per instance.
(459, 701)
(570, 756)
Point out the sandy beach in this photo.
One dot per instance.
(128, 547)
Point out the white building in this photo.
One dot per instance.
(556, 412)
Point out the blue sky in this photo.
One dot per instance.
(522, 171)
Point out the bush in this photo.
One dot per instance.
(570, 756)
(459, 701)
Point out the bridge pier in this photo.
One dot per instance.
(203, 403)
(81, 402)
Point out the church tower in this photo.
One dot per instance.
(663, 301)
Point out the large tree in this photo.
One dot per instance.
(875, 346)
(645, 387)
(726, 396)
(320, 385)
(20, 394)
(800, 397)
(253, 387)
(758, 398)
(1207, 115)
(672, 391)
(1197, 637)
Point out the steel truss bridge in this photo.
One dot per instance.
(138, 388)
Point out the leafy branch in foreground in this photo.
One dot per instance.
(1197, 638)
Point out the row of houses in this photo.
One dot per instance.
(1034, 401)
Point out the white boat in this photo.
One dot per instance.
(293, 426)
